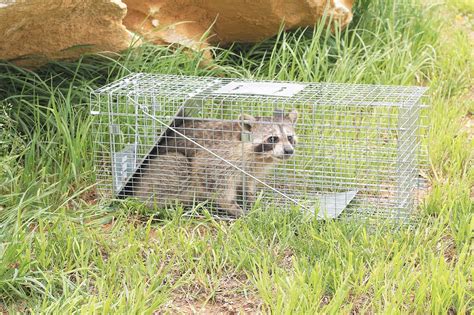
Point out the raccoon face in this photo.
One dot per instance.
(272, 137)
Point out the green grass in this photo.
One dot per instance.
(61, 253)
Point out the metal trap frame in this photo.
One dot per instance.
(168, 138)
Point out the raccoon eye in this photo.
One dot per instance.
(291, 139)
(273, 140)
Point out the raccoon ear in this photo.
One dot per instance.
(246, 122)
(293, 116)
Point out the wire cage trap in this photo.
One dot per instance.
(227, 143)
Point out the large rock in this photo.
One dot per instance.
(37, 30)
(33, 31)
(225, 21)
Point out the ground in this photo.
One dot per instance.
(64, 250)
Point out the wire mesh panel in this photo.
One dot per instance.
(228, 143)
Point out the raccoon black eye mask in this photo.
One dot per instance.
(291, 139)
(264, 147)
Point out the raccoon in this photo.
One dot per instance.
(251, 144)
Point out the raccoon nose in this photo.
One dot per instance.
(289, 151)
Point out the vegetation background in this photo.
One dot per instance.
(63, 251)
